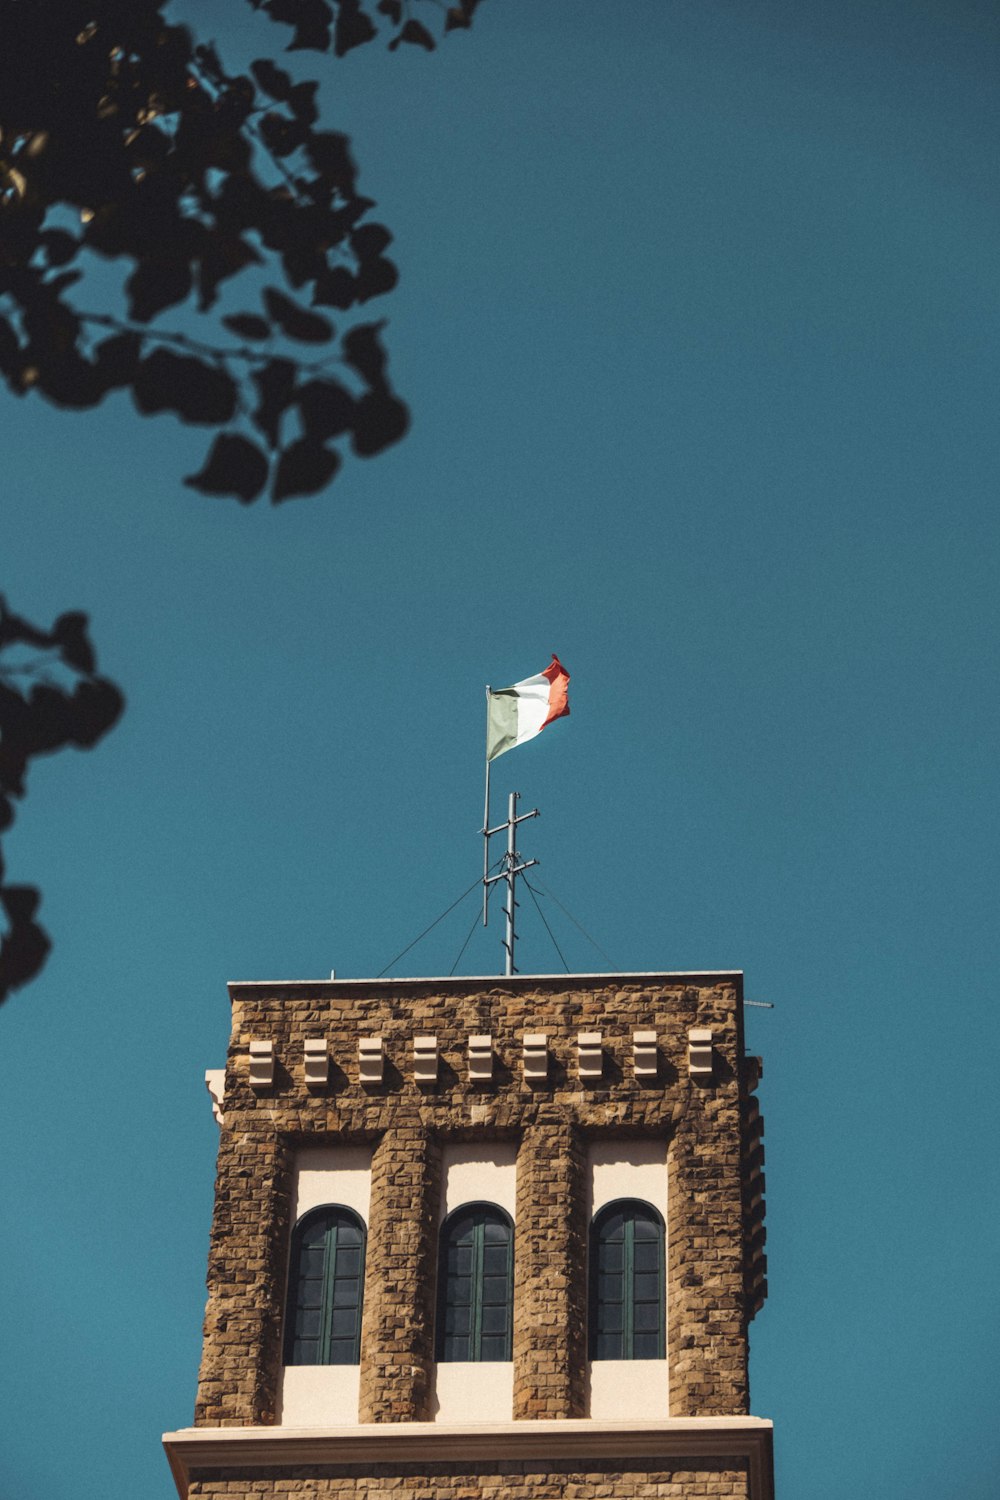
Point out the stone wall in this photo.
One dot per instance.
(723, 1480)
(703, 1121)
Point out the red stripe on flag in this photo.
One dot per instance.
(558, 690)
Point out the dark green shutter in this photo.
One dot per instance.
(325, 1289)
(475, 1285)
(627, 1276)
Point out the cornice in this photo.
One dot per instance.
(386, 1444)
(249, 989)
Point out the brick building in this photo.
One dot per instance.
(483, 1237)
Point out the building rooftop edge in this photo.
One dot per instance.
(331, 986)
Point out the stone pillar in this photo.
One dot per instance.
(397, 1337)
(706, 1329)
(241, 1355)
(550, 1305)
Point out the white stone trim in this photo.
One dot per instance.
(215, 1082)
(677, 1439)
(330, 987)
(536, 1056)
(316, 1062)
(371, 1059)
(589, 1055)
(261, 1054)
(425, 1059)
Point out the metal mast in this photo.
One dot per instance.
(509, 872)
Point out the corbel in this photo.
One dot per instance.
(756, 1206)
(755, 1162)
(645, 1059)
(480, 1058)
(316, 1062)
(701, 1063)
(425, 1059)
(215, 1082)
(261, 1065)
(753, 1119)
(590, 1056)
(371, 1060)
(536, 1057)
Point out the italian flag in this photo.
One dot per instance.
(518, 713)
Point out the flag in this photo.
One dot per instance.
(518, 713)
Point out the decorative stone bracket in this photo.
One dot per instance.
(316, 1062)
(536, 1057)
(589, 1055)
(371, 1060)
(701, 1063)
(215, 1082)
(645, 1058)
(754, 1208)
(426, 1060)
(480, 1058)
(261, 1065)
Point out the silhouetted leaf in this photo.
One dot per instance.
(224, 255)
(117, 359)
(370, 240)
(330, 154)
(141, 132)
(37, 717)
(281, 135)
(71, 381)
(305, 468)
(275, 384)
(327, 409)
(311, 19)
(70, 631)
(416, 32)
(380, 419)
(374, 278)
(296, 322)
(198, 392)
(460, 15)
(302, 102)
(10, 350)
(94, 706)
(55, 285)
(234, 466)
(59, 246)
(155, 285)
(25, 946)
(248, 325)
(335, 288)
(274, 81)
(353, 28)
(363, 351)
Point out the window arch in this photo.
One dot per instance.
(325, 1288)
(475, 1284)
(627, 1275)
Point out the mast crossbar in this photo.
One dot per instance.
(511, 867)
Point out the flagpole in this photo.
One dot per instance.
(486, 817)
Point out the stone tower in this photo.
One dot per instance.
(483, 1238)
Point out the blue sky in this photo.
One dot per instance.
(698, 322)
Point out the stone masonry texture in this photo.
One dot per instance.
(702, 1122)
(519, 1481)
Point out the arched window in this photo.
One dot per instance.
(325, 1288)
(627, 1282)
(475, 1284)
